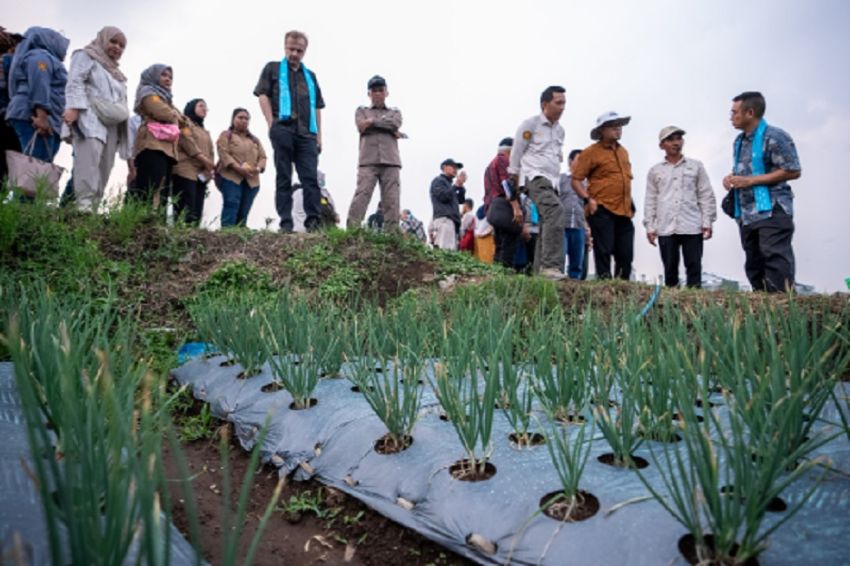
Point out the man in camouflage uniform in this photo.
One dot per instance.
(379, 159)
(765, 160)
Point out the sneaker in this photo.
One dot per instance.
(552, 274)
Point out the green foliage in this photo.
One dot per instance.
(239, 277)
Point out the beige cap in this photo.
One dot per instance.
(669, 131)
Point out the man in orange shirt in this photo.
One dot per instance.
(608, 196)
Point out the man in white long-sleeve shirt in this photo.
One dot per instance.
(679, 209)
(536, 165)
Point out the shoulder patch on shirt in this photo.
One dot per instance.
(155, 98)
(526, 135)
(42, 66)
(186, 131)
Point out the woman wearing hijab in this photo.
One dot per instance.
(241, 159)
(37, 80)
(155, 149)
(96, 114)
(193, 170)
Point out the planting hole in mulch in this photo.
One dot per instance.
(571, 418)
(244, 375)
(444, 417)
(310, 404)
(418, 381)
(775, 505)
(679, 417)
(688, 548)
(655, 437)
(526, 440)
(228, 363)
(388, 444)
(271, 387)
(700, 403)
(611, 403)
(464, 471)
(357, 389)
(584, 506)
(637, 462)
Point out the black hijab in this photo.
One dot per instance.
(189, 111)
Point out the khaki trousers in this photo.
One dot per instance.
(549, 250)
(389, 176)
(93, 161)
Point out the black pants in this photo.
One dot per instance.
(506, 233)
(688, 246)
(612, 235)
(770, 258)
(8, 140)
(153, 178)
(301, 150)
(189, 197)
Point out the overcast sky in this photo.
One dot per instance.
(466, 74)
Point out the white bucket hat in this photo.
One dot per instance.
(608, 119)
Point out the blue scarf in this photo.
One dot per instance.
(285, 112)
(760, 192)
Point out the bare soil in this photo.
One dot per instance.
(584, 506)
(348, 533)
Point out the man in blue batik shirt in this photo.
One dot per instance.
(765, 159)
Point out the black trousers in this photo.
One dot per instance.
(189, 195)
(688, 246)
(8, 140)
(506, 243)
(769, 256)
(613, 235)
(153, 178)
(292, 148)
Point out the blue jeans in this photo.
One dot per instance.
(45, 148)
(237, 201)
(574, 246)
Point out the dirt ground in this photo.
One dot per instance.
(348, 533)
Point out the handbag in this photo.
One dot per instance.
(500, 215)
(29, 174)
(728, 204)
(164, 132)
(109, 112)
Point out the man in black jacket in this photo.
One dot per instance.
(445, 198)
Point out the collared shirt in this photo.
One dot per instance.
(779, 153)
(679, 198)
(378, 143)
(495, 173)
(572, 204)
(537, 150)
(609, 175)
(269, 85)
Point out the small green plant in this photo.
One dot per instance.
(390, 383)
(239, 277)
(618, 424)
(305, 502)
(564, 357)
(289, 341)
(456, 380)
(233, 323)
(569, 456)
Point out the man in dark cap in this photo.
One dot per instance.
(446, 197)
(502, 206)
(379, 160)
(608, 196)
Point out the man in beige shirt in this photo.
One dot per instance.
(379, 159)
(679, 209)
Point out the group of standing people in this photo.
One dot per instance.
(556, 215)
(169, 153)
(590, 204)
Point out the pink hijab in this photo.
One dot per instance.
(97, 51)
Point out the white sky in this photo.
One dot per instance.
(466, 74)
